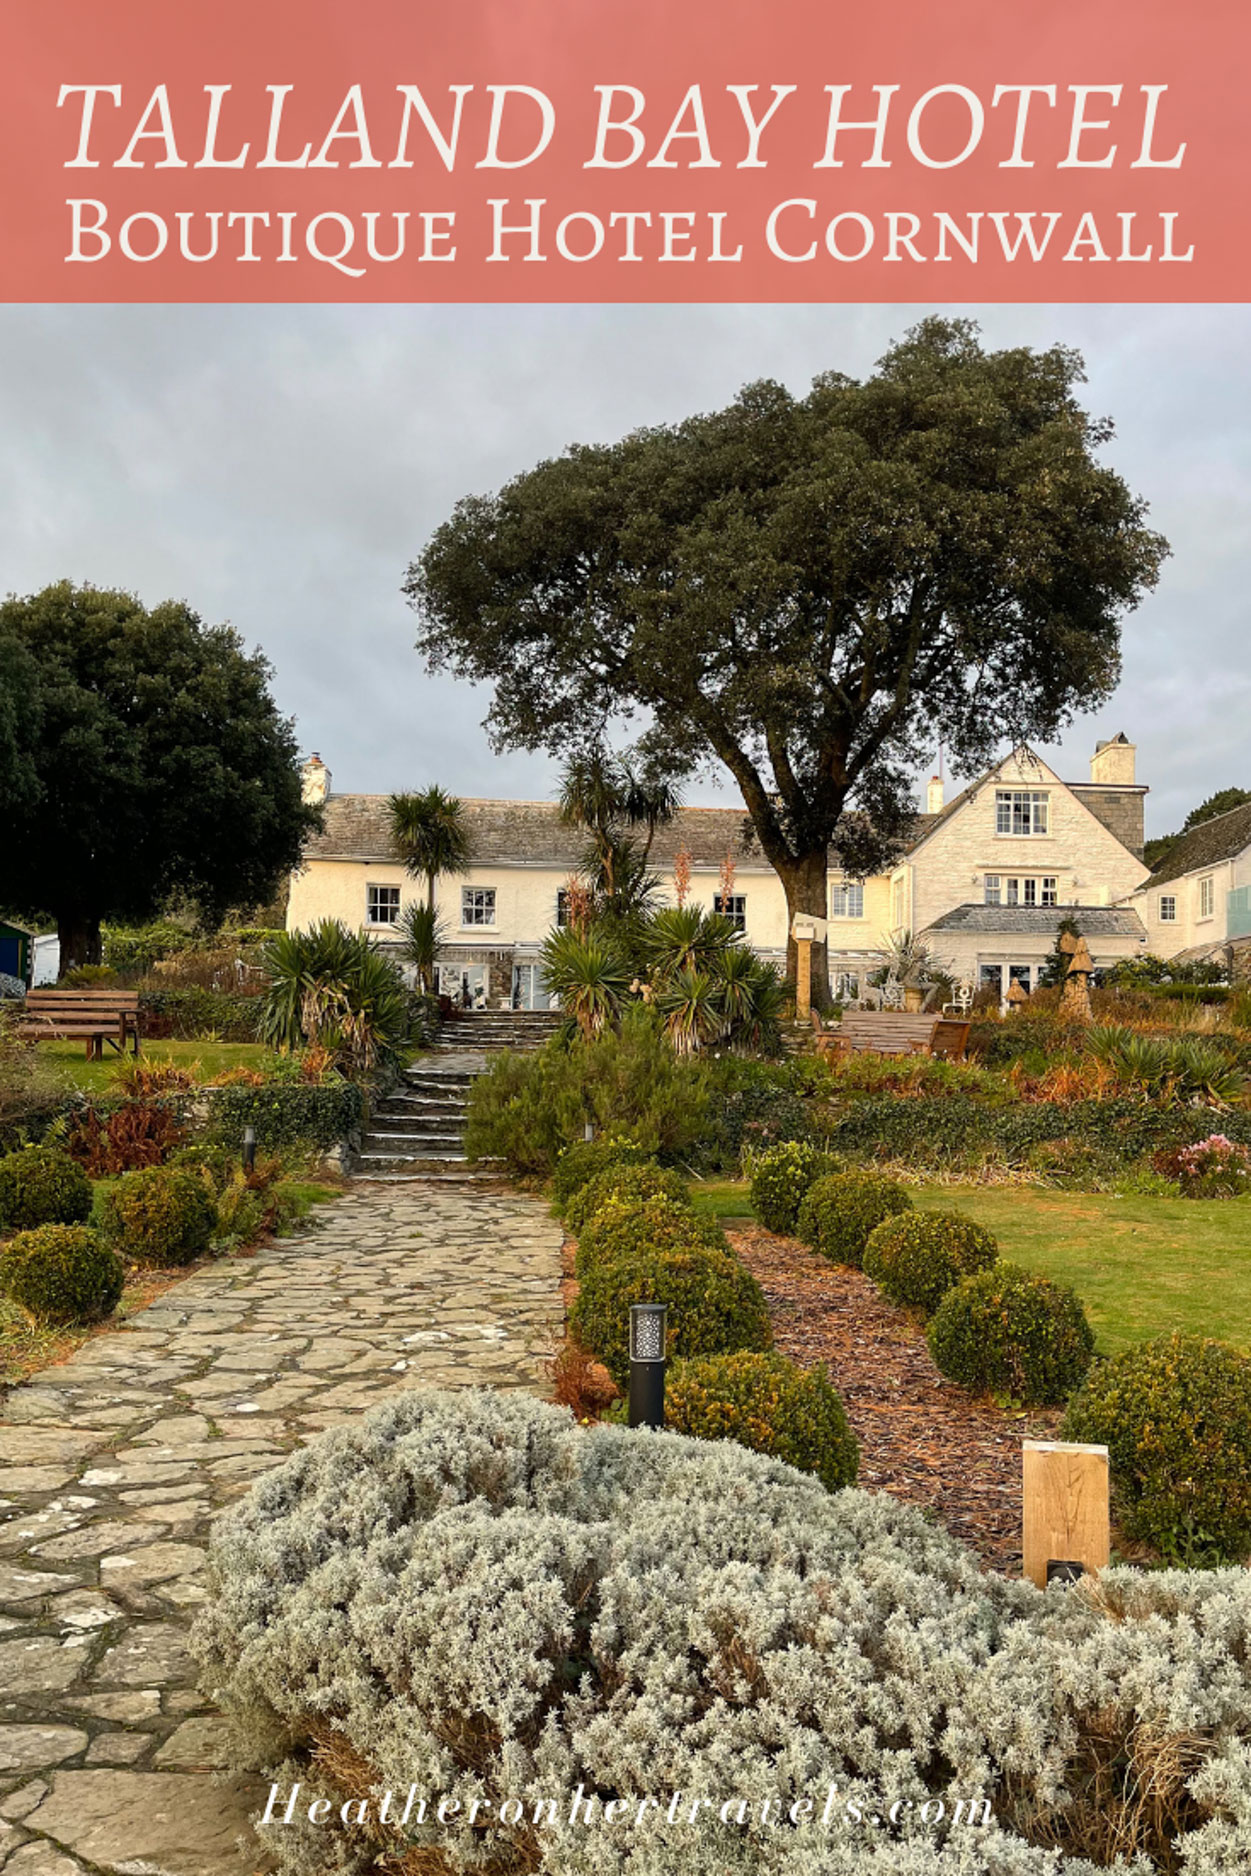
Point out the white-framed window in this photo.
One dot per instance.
(1012, 894)
(847, 899)
(1020, 811)
(1207, 897)
(477, 905)
(562, 908)
(1050, 892)
(846, 986)
(732, 906)
(1168, 908)
(992, 889)
(382, 905)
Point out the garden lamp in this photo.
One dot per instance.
(647, 1364)
(249, 1149)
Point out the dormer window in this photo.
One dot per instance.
(1020, 811)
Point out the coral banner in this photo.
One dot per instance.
(597, 150)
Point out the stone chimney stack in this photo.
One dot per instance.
(315, 779)
(934, 795)
(1112, 764)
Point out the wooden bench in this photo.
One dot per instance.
(91, 1016)
(893, 1032)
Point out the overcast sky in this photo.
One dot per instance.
(278, 467)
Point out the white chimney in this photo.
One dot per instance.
(314, 779)
(1112, 764)
(934, 795)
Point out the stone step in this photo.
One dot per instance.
(435, 1145)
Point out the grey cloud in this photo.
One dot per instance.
(279, 466)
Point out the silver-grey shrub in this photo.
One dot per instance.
(468, 1593)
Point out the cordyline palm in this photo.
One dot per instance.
(603, 794)
(423, 936)
(429, 830)
(588, 975)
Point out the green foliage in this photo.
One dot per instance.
(632, 1228)
(334, 988)
(1175, 1416)
(631, 1183)
(916, 1257)
(1056, 966)
(528, 1109)
(840, 1211)
(715, 1305)
(781, 1177)
(423, 937)
(31, 1089)
(139, 947)
(1168, 1068)
(582, 1161)
(746, 1120)
(430, 833)
(1006, 1331)
(286, 1114)
(145, 720)
(188, 1013)
(158, 1217)
(953, 506)
(767, 1403)
(41, 1186)
(590, 976)
(61, 1273)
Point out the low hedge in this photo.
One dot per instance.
(624, 1227)
(916, 1257)
(767, 1403)
(840, 1212)
(631, 1184)
(159, 1217)
(287, 1114)
(190, 1014)
(781, 1177)
(751, 1119)
(1007, 1331)
(41, 1186)
(61, 1274)
(715, 1306)
(1175, 1416)
(582, 1161)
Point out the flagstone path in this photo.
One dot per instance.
(113, 1464)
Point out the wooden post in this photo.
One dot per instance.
(803, 979)
(1065, 1507)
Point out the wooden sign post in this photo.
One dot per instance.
(1065, 1509)
(805, 931)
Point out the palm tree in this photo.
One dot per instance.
(423, 936)
(603, 794)
(430, 832)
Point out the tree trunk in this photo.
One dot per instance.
(806, 885)
(79, 935)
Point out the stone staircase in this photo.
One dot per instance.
(418, 1132)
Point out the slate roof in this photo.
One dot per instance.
(1206, 845)
(1096, 921)
(529, 833)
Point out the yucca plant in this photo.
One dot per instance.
(331, 987)
(588, 975)
(687, 937)
(423, 934)
(691, 1009)
(761, 1031)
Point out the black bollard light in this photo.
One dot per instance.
(647, 1364)
(249, 1149)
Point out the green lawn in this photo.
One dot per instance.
(213, 1059)
(1142, 1266)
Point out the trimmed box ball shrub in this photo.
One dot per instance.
(841, 1211)
(715, 1306)
(623, 1227)
(1008, 1331)
(39, 1186)
(770, 1404)
(582, 1161)
(781, 1177)
(466, 1591)
(1175, 1416)
(61, 1273)
(159, 1216)
(632, 1183)
(916, 1257)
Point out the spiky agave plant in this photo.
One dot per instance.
(691, 1009)
(588, 975)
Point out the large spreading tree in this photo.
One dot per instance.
(811, 591)
(147, 756)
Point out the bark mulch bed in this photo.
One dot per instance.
(921, 1437)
